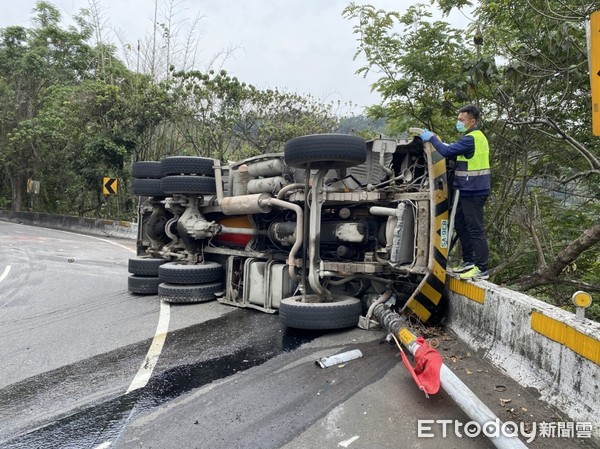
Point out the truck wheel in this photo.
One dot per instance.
(325, 151)
(145, 266)
(341, 313)
(187, 165)
(189, 293)
(146, 169)
(179, 273)
(147, 187)
(192, 185)
(144, 285)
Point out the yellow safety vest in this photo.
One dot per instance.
(474, 174)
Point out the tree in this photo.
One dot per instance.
(72, 112)
(528, 73)
(272, 117)
(542, 106)
(362, 125)
(31, 61)
(409, 53)
(222, 117)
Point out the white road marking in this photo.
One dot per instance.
(6, 271)
(143, 375)
(349, 441)
(103, 445)
(2, 277)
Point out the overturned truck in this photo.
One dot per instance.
(317, 233)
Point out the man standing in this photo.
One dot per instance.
(472, 180)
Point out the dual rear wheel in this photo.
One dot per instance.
(175, 282)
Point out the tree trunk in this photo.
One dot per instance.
(549, 274)
(16, 186)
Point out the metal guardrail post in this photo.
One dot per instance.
(456, 389)
(581, 300)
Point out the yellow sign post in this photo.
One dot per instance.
(109, 186)
(594, 60)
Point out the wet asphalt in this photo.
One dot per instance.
(74, 339)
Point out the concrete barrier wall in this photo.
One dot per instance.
(108, 228)
(535, 343)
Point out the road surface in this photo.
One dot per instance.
(86, 364)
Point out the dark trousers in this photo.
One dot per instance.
(468, 223)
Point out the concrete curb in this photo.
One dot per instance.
(535, 343)
(93, 226)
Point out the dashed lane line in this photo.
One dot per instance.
(349, 441)
(143, 375)
(2, 277)
(5, 273)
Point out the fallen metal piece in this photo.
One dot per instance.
(325, 362)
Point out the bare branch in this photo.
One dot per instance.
(580, 285)
(579, 175)
(549, 274)
(555, 16)
(510, 260)
(588, 155)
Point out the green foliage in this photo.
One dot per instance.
(221, 117)
(524, 63)
(71, 113)
(410, 52)
(593, 312)
(362, 126)
(32, 62)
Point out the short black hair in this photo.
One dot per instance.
(472, 110)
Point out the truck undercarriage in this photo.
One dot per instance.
(318, 233)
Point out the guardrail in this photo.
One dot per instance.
(108, 228)
(535, 343)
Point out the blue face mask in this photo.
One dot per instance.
(460, 126)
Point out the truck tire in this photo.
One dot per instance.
(190, 185)
(147, 187)
(146, 169)
(143, 285)
(325, 151)
(187, 165)
(341, 313)
(145, 266)
(189, 293)
(179, 273)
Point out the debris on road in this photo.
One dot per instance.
(325, 362)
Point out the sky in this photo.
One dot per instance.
(302, 46)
